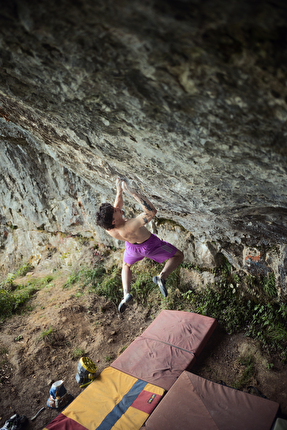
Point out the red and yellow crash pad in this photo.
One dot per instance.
(113, 401)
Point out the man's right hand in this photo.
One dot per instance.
(127, 189)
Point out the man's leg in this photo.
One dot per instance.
(170, 265)
(126, 281)
(126, 278)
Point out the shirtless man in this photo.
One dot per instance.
(139, 241)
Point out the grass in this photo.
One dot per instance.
(85, 277)
(252, 312)
(77, 353)
(12, 301)
(269, 285)
(240, 303)
(47, 335)
(123, 349)
(13, 297)
(22, 271)
(110, 286)
(248, 362)
(98, 280)
(142, 287)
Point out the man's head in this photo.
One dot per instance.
(105, 216)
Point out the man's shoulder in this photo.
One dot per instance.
(115, 233)
(130, 225)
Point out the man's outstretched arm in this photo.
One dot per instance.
(149, 211)
(119, 197)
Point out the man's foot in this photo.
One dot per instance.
(161, 284)
(122, 306)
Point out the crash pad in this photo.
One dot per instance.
(113, 401)
(170, 344)
(197, 403)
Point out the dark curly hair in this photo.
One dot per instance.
(105, 216)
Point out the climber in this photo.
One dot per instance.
(139, 241)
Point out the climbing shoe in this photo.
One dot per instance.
(122, 306)
(161, 284)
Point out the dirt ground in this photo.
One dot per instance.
(31, 361)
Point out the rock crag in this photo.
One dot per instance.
(186, 98)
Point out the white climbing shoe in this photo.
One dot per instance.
(122, 306)
(161, 284)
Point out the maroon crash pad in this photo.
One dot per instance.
(167, 347)
(196, 403)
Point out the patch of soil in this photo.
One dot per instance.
(222, 361)
(44, 345)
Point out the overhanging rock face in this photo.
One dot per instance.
(187, 98)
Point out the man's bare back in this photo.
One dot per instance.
(138, 236)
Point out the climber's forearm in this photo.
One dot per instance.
(147, 206)
(119, 201)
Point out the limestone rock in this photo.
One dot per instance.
(186, 98)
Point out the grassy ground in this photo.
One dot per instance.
(239, 303)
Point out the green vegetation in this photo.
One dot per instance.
(123, 349)
(142, 287)
(269, 285)
(47, 335)
(249, 368)
(98, 280)
(22, 271)
(77, 353)
(13, 297)
(191, 266)
(240, 303)
(12, 301)
(85, 277)
(251, 311)
(109, 286)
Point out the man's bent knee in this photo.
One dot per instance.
(179, 254)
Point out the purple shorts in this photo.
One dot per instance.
(153, 248)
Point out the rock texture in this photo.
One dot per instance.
(186, 98)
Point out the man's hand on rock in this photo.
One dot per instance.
(127, 189)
